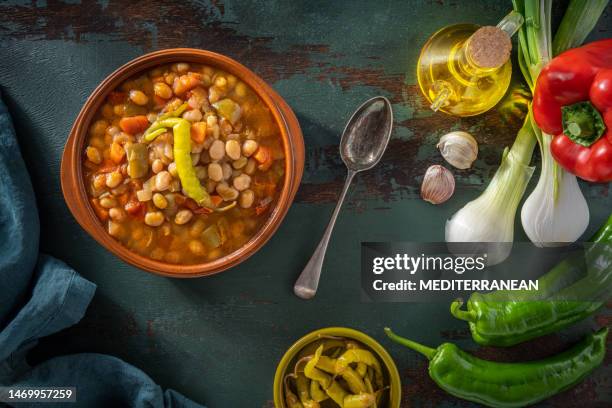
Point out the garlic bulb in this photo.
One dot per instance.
(460, 149)
(438, 184)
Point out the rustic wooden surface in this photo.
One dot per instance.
(217, 340)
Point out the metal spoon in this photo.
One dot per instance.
(363, 143)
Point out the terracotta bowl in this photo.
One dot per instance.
(73, 185)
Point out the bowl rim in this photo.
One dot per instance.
(394, 377)
(73, 186)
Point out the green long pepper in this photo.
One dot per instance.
(565, 296)
(509, 384)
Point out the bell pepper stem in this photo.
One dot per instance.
(424, 350)
(582, 123)
(455, 309)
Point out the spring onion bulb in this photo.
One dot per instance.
(555, 213)
(489, 219)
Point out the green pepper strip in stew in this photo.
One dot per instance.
(182, 156)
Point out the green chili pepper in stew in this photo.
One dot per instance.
(509, 384)
(182, 157)
(505, 318)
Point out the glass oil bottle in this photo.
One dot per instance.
(464, 69)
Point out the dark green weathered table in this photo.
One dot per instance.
(218, 339)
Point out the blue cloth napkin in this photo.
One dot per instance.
(40, 295)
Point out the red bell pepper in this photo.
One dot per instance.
(573, 102)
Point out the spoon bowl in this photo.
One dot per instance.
(367, 134)
(363, 143)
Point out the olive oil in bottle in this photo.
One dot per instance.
(464, 69)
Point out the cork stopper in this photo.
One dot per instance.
(489, 47)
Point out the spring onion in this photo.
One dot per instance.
(490, 217)
(556, 212)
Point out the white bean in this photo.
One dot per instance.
(232, 148)
(227, 171)
(242, 182)
(162, 180)
(247, 197)
(249, 147)
(193, 115)
(215, 172)
(154, 218)
(183, 217)
(172, 169)
(217, 150)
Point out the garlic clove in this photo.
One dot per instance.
(438, 184)
(459, 149)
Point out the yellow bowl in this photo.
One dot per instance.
(395, 393)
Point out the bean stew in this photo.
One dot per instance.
(183, 163)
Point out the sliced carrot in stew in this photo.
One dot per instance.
(216, 200)
(117, 153)
(134, 124)
(198, 132)
(186, 83)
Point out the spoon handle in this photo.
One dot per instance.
(306, 285)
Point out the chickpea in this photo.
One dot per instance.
(169, 78)
(246, 199)
(211, 120)
(93, 155)
(108, 202)
(250, 167)
(193, 115)
(157, 166)
(183, 217)
(160, 201)
(232, 149)
(240, 90)
(215, 172)
(113, 130)
(181, 67)
(115, 230)
(117, 214)
(162, 90)
(99, 181)
(154, 218)
(97, 142)
(220, 82)
(196, 247)
(240, 163)
(227, 171)
(138, 97)
(162, 180)
(113, 179)
(98, 128)
(242, 182)
(172, 169)
(197, 228)
(217, 150)
(249, 147)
